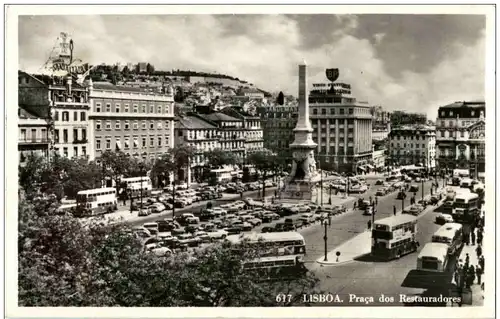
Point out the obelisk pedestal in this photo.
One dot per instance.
(303, 176)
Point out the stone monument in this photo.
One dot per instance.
(302, 178)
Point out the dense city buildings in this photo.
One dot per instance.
(406, 118)
(278, 122)
(378, 160)
(413, 144)
(129, 119)
(254, 134)
(203, 136)
(342, 128)
(232, 134)
(460, 136)
(67, 103)
(34, 136)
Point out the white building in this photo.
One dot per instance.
(413, 144)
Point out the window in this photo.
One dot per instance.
(65, 116)
(65, 136)
(151, 109)
(126, 110)
(75, 116)
(75, 151)
(462, 134)
(98, 125)
(351, 110)
(84, 150)
(75, 134)
(83, 116)
(323, 111)
(136, 143)
(143, 142)
(127, 125)
(315, 111)
(56, 116)
(417, 137)
(117, 125)
(143, 108)
(159, 141)
(136, 108)
(84, 134)
(342, 112)
(108, 125)
(98, 144)
(443, 113)
(108, 107)
(152, 125)
(423, 145)
(143, 125)
(151, 141)
(472, 113)
(159, 125)
(158, 109)
(127, 143)
(23, 134)
(332, 111)
(451, 113)
(98, 107)
(108, 143)
(442, 133)
(65, 151)
(166, 124)
(136, 125)
(117, 108)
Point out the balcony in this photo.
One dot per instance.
(80, 141)
(40, 140)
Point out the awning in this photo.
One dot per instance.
(118, 145)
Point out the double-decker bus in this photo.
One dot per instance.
(394, 236)
(134, 185)
(279, 253)
(465, 207)
(433, 257)
(97, 200)
(450, 234)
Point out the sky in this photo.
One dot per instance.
(401, 62)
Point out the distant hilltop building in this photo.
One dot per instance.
(406, 118)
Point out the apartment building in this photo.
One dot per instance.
(231, 131)
(413, 144)
(139, 123)
(460, 136)
(33, 136)
(278, 122)
(254, 134)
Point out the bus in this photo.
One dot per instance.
(97, 200)
(465, 207)
(450, 234)
(134, 185)
(394, 236)
(276, 267)
(466, 183)
(433, 257)
(274, 244)
(222, 174)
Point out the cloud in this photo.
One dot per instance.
(262, 49)
(378, 37)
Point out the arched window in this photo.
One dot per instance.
(56, 116)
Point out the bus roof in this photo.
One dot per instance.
(269, 237)
(273, 258)
(448, 230)
(96, 190)
(396, 220)
(466, 195)
(133, 179)
(433, 250)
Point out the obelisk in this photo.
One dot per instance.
(303, 175)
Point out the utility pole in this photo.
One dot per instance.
(321, 187)
(374, 207)
(326, 245)
(173, 197)
(422, 189)
(347, 187)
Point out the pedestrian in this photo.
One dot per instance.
(473, 238)
(456, 277)
(376, 200)
(355, 205)
(394, 209)
(479, 272)
(467, 239)
(467, 258)
(479, 238)
(479, 251)
(481, 262)
(369, 225)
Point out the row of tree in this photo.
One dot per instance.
(62, 264)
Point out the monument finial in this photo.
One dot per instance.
(304, 62)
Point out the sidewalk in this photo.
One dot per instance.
(353, 248)
(477, 292)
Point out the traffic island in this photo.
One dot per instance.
(350, 250)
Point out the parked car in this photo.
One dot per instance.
(381, 192)
(307, 218)
(444, 218)
(189, 240)
(255, 221)
(368, 210)
(234, 230)
(144, 212)
(401, 195)
(217, 234)
(413, 188)
(379, 182)
(268, 229)
(434, 200)
(152, 227)
(245, 226)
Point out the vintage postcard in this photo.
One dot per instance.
(295, 160)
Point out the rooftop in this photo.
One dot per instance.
(414, 127)
(220, 117)
(110, 86)
(24, 114)
(460, 104)
(192, 122)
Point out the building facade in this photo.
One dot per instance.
(231, 131)
(254, 134)
(460, 137)
(140, 124)
(413, 144)
(378, 160)
(34, 138)
(278, 122)
(342, 128)
(203, 136)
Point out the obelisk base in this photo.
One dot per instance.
(298, 190)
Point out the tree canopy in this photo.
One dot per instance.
(217, 158)
(63, 263)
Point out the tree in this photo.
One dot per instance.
(149, 69)
(281, 98)
(115, 164)
(264, 162)
(218, 157)
(30, 175)
(105, 265)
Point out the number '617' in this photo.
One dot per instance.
(283, 298)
